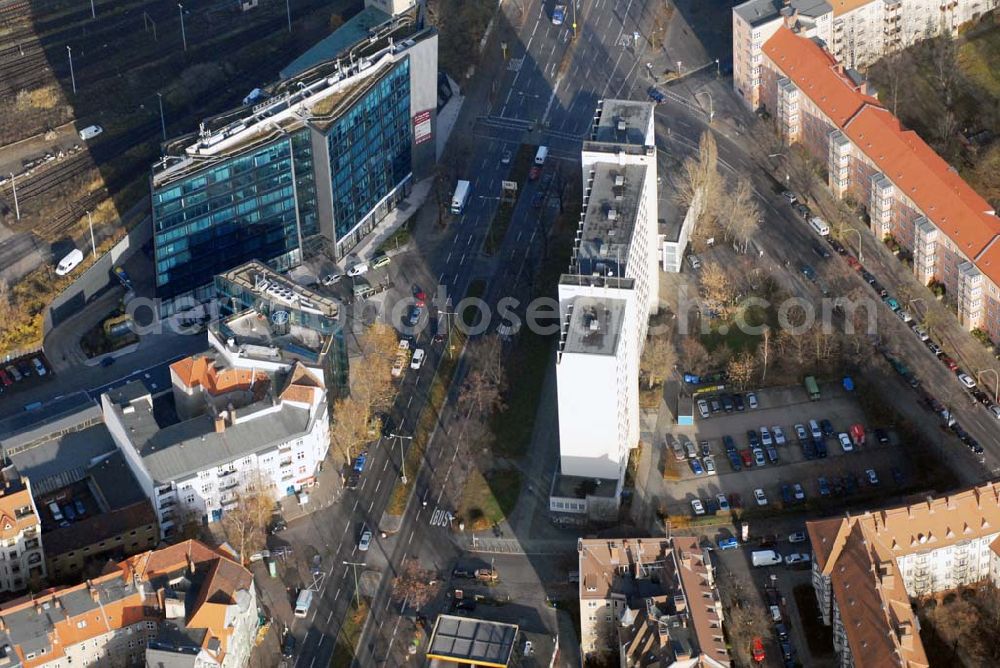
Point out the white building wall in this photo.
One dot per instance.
(588, 415)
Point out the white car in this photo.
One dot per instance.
(765, 436)
(703, 409)
(800, 432)
(790, 196)
(845, 442)
(39, 367)
(332, 279)
(752, 399)
(697, 507)
(366, 541)
(995, 410)
(418, 359)
(779, 435)
(710, 465)
(921, 333)
(759, 495)
(905, 316)
(358, 269)
(723, 501)
(966, 380)
(797, 537)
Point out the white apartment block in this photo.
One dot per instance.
(237, 427)
(856, 32)
(607, 295)
(867, 568)
(21, 554)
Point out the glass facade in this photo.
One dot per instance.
(370, 149)
(240, 209)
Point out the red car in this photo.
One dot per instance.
(950, 363)
(757, 650)
(853, 261)
(535, 172)
(747, 457)
(5, 379)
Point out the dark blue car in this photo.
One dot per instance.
(656, 95)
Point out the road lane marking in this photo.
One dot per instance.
(335, 597)
(370, 505)
(411, 538)
(356, 503)
(386, 465)
(448, 259)
(379, 483)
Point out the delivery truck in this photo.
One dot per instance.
(460, 197)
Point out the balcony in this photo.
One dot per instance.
(226, 474)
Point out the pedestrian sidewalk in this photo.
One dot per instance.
(325, 491)
(393, 221)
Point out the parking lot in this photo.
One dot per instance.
(844, 472)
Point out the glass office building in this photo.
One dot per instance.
(370, 155)
(254, 205)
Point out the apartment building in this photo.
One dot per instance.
(232, 428)
(657, 596)
(867, 568)
(22, 559)
(312, 161)
(906, 189)
(606, 297)
(184, 605)
(855, 32)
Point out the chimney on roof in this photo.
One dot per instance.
(232, 413)
(191, 564)
(94, 594)
(220, 422)
(905, 632)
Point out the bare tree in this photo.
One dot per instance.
(245, 525)
(486, 380)
(659, 357)
(699, 181)
(741, 368)
(694, 354)
(371, 374)
(716, 288)
(765, 351)
(416, 585)
(350, 428)
(742, 216)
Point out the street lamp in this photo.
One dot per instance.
(357, 592)
(711, 104)
(72, 77)
(163, 122)
(861, 257)
(996, 382)
(718, 73)
(402, 457)
(93, 246)
(13, 186)
(180, 8)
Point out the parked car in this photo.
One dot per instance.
(798, 492)
(963, 378)
(824, 487)
(728, 543)
(814, 430)
(845, 442)
(697, 507)
(757, 650)
(710, 466)
(934, 348)
(723, 501)
(820, 446)
(714, 405)
(706, 449)
(727, 403)
(882, 436)
(753, 439)
(696, 467)
(796, 559)
(417, 360)
(760, 497)
(39, 367)
(332, 279)
(781, 631)
(772, 454)
(808, 448)
(779, 435)
(752, 400)
(786, 493)
(703, 409)
(765, 436)
(758, 457)
(827, 427)
(800, 432)
(689, 448)
(738, 402)
(790, 196)
(871, 476)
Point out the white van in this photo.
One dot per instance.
(68, 263)
(90, 132)
(358, 269)
(764, 558)
(303, 603)
(820, 226)
(56, 512)
(543, 152)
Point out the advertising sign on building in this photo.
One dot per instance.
(422, 127)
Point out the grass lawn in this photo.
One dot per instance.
(347, 639)
(399, 238)
(471, 315)
(486, 502)
(513, 427)
(498, 228)
(729, 334)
